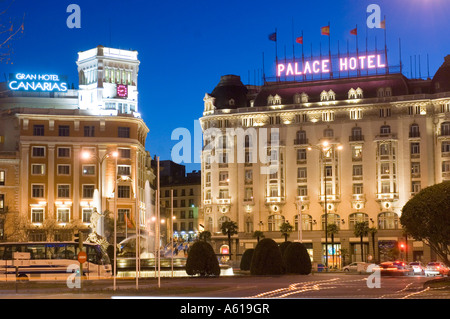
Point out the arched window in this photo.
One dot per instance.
(307, 222)
(359, 93)
(231, 102)
(388, 220)
(297, 98)
(277, 100)
(270, 100)
(357, 218)
(324, 96)
(352, 94)
(305, 98)
(331, 95)
(331, 219)
(275, 222)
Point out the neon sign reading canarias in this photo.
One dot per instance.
(323, 66)
(37, 82)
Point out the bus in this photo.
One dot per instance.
(51, 261)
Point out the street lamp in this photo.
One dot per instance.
(326, 148)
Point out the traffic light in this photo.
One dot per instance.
(79, 239)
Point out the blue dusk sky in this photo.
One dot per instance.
(186, 46)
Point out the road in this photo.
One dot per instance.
(324, 285)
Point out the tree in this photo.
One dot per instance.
(267, 258)
(332, 229)
(372, 232)
(258, 235)
(296, 259)
(229, 228)
(283, 246)
(205, 236)
(286, 229)
(246, 260)
(9, 29)
(202, 260)
(426, 217)
(361, 229)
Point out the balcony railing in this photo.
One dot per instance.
(274, 199)
(356, 138)
(224, 201)
(387, 196)
(301, 141)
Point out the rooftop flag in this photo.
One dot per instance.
(299, 40)
(273, 36)
(354, 31)
(325, 30)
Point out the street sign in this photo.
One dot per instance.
(82, 257)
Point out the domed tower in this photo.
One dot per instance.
(441, 80)
(230, 93)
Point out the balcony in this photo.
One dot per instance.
(358, 197)
(303, 199)
(330, 198)
(356, 138)
(301, 141)
(274, 199)
(386, 136)
(224, 201)
(387, 196)
(414, 134)
(207, 202)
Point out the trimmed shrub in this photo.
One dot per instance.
(246, 260)
(296, 259)
(283, 247)
(266, 258)
(202, 260)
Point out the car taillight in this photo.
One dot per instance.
(437, 267)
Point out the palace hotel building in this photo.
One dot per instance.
(65, 152)
(356, 147)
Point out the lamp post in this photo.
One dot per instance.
(326, 148)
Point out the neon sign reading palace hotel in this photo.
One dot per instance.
(320, 66)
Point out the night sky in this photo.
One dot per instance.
(185, 46)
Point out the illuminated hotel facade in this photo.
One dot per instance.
(361, 146)
(66, 152)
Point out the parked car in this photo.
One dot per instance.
(417, 267)
(394, 268)
(356, 266)
(436, 269)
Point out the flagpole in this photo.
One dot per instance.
(339, 57)
(385, 48)
(158, 222)
(276, 48)
(329, 49)
(357, 50)
(400, 54)
(293, 44)
(303, 57)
